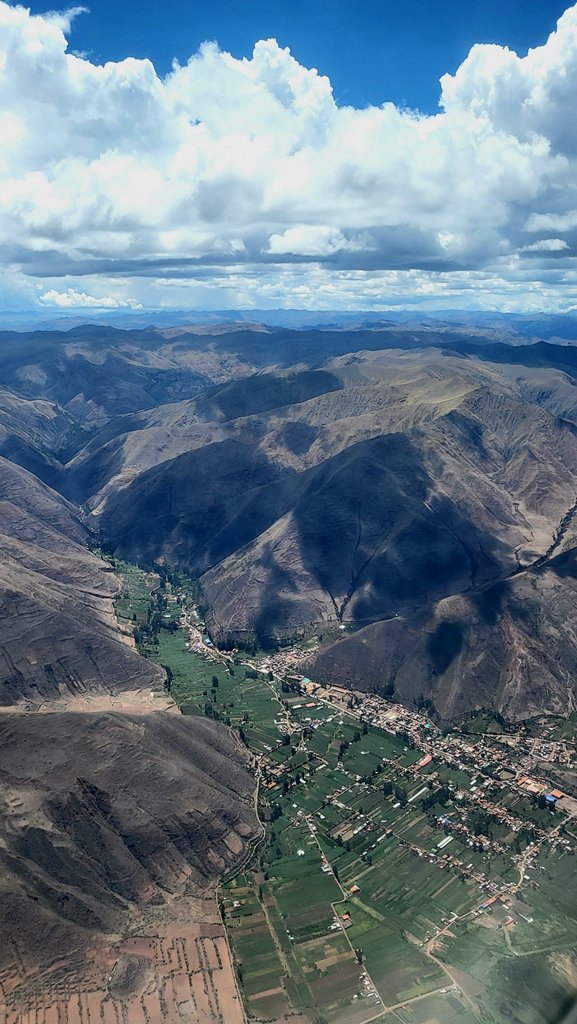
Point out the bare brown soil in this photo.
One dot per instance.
(175, 968)
(139, 701)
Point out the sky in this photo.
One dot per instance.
(314, 153)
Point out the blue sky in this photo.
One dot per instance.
(317, 155)
(372, 50)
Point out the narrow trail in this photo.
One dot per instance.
(429, 952)
(479, 588)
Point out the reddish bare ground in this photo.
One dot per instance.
(184, 974)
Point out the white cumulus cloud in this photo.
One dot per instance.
(72, 299)
(228, 170)
(311, 240)
(547, 245)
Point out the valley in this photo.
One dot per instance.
(287, 675)
(391, 847)
(288, 513)
(410, 483)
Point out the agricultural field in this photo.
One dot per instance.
(169, 964)
(530, 989)
(338, 883)
(389, 887)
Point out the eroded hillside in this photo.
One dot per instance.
(311, 479)
(59, 634)
(105, 821)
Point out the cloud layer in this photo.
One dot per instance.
(244, 181)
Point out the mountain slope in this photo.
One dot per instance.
(101, 815)
(307, 478)
(59, 634)
(511, 646)
(359, 504)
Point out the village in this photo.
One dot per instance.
(387, 838)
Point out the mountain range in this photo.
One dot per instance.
(410, 482)
(404, 492)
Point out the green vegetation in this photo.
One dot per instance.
(364, 862)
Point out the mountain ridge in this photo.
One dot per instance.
(307, 478)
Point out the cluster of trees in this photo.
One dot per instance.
(155, 621)
(423, 703)
(218, 716)
(493, 715)
(344, 744)
(291, 780)
(165, 575)
(288, 686)
(399, 792)
(440, 796)
(210, 709)
(525, 837)
(370, 777)
(482, 823)
(542, 803)
(346, 846)
(405, 738)
(248, 645)
(385, 689)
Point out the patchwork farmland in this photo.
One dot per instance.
(167, 969)
(393, 885)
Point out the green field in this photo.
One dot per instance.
(364, 862)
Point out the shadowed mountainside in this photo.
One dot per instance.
(101, 814)
(59, 634)
(511, 646)
(310, 478)
(420, 477)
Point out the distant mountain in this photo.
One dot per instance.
(522, 325)
(314, 478)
